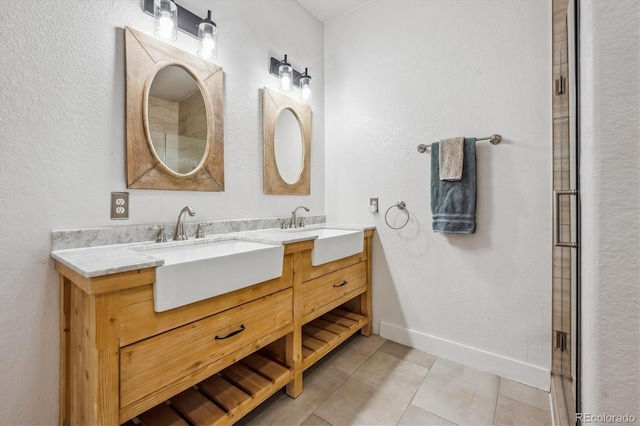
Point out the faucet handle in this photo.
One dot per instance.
(161, 237)
(280, 222)
(200, 230)
(301, 223)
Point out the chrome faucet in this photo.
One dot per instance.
(293, 223)
(180, 234)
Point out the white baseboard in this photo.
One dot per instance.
(502, 366)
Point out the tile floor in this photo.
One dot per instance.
(372, 381)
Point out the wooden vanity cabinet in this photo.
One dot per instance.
(331, 302)
(120, 359)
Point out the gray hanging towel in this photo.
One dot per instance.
(453, 204)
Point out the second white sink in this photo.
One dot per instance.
(194, 272)
(333, 243)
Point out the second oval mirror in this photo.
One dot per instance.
(288, 146)
(177, 119)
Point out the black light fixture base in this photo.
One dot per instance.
(274, 64)
(187, 21)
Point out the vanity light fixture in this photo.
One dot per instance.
(208, 36)
(169, 17)
(289, 77)
(305, 86)
(165, 25)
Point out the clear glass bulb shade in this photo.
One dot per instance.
(305, 88)
(165, 23)
(285, 74)
(208, 36)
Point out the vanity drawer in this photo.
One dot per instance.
(318, 294)
(156, 362)
(309, 272)
(139, 321)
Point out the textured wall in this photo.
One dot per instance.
(610, 138)
(63, 151)
(400, 73)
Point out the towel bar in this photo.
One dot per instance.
(494, 139)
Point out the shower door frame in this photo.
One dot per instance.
(565, 357)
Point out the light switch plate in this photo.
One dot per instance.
(119, 205)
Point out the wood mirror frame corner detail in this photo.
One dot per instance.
(145, 57)
(273, 103)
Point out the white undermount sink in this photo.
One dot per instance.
(194, 272)
(333, 244)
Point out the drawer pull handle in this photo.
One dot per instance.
(340, 285)
(233, 333)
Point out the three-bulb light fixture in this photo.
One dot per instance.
(170, 16)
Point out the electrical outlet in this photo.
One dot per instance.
(119, 205)
(373, 205)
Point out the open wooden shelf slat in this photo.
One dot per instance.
(329, 326)
(323, 334)
(223, 398)
(161, 415)
(197, 408)
(348, 314)
(265, 366)
(320, 333)
(247, 380)
(312, 343)
(223, 393)
(330, 316)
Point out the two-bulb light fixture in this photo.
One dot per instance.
(289, 77)
(169, 17)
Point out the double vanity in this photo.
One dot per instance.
(202, 331)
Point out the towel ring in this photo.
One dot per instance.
(401, 206)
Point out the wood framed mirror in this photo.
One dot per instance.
(175, 137)
(287, 144)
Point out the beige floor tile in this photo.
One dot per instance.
(314, 420)
(408, 354)
(512, 412)
(523, 393)
(322, 382)
(349, 356)
(367, 344)
(417, 416)
(318, 385)
(460, 394)
(358, 403)
(265, 412)
(390, 374)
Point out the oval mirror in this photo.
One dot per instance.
(288, 146)
(177, 119)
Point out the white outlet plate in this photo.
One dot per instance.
(373, 205)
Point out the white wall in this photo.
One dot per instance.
(400, 73)
(63, 151)
(610, 175)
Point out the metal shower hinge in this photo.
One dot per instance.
(561, 340)
(561, 85)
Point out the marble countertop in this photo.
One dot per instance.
(104, 260)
